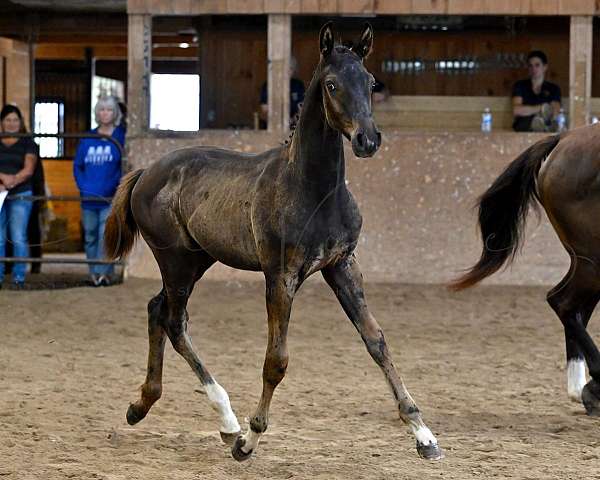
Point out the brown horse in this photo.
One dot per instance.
(285, 212)
(563, 174)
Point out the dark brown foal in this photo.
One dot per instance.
(285, 212)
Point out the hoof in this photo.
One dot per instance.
(134, 415)
(590, 396)
(430, 452)
(237, 452)
(229, 438)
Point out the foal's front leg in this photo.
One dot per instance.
(279, 296)
(345, 279)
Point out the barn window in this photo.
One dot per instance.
(50, 118)
(175, 102)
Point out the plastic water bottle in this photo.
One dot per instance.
(486, 120)
(561, 121)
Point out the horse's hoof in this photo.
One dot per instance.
(590, 396)
(237, 452)
(134, 415)
(430, 452)
(229, 438)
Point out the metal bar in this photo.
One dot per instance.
(57, 198)
(67, 135)
(57, 260)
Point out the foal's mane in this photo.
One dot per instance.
(340, 48)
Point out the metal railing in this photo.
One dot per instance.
(63, 198)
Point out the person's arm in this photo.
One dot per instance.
(520, 110)
(263, 112)
(78, 165)
(11, 181)
(556, 102)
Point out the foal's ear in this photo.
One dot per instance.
(326, 39)
(365, 45)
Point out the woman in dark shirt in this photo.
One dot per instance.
(17, 163)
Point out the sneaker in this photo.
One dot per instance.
(19, 285)
(104, 281)
(95, 279)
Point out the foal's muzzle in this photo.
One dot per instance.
(366, 141)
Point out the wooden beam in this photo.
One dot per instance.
(391, 7)
(580, 70)
(2, 77)
(278, 73)
(139, 70)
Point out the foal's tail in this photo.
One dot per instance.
(503, 211)
(121, 229)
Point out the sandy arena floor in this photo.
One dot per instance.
(486, 368)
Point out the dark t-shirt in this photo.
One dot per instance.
(296, 95)
(12, 160)
(550, 92)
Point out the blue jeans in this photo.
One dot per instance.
(14, 217)
(94, 221)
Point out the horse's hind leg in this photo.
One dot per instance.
(181, 269)
(574, 300)
(151, 389)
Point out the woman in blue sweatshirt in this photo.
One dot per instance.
(97, 170)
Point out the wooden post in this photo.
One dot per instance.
(139, 65)
(278, 75)
(580, 70)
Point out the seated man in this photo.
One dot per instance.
(380, 92)
(536, 102)
(296, 97)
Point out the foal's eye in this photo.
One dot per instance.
(373, 85)
(330, 86)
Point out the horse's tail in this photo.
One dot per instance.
(121, 228)
(503, 211)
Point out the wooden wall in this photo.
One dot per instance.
(72, 89)
(60, 181)
(353, 7)
(235, 66)
(14, 69)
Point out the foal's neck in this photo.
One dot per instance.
(316, 150)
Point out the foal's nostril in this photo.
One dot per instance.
(360, 137)
(378, 138)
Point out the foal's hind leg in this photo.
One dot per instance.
(180, 269)
(151, 389)
(345, 279)
(574, 300)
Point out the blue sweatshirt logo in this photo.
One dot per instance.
(99, 155)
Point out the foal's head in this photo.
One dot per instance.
(347, 86)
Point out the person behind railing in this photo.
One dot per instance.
(536, 102)
(297, 91)
(97, 170)
(18, 157)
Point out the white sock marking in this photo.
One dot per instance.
(575, 379)
(219, 400)
(423, 435)
(252, 439)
